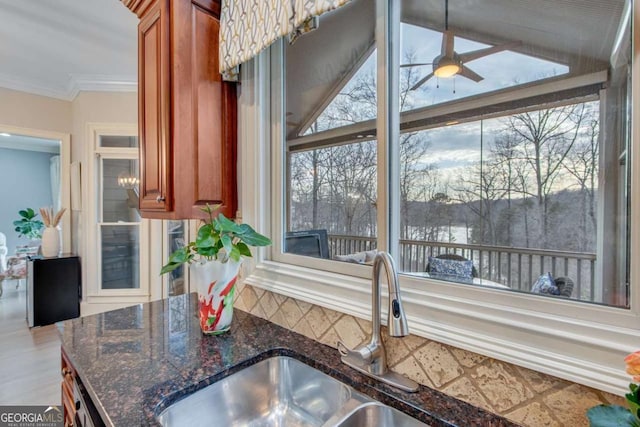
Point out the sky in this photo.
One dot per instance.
(456, 147)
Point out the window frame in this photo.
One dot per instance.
(95, 292)
(577, 341)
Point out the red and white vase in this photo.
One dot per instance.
(216, 284)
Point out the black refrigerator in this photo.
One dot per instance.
(53, 289)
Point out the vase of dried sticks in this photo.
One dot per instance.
(50, 245)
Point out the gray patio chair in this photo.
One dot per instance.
(454, 257)
(565, 286)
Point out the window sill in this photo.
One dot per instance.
(558, 342)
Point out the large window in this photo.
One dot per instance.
(506, 143)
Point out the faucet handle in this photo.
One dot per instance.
(362, 353)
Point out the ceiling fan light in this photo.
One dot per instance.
(446, 70)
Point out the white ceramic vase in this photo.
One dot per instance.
(50, 242)
(216, 283)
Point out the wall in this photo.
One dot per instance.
(22, 109)
(524, 396)
(26, 182)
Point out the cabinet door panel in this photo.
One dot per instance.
(153, 65)
(215, 173)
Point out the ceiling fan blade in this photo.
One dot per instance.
(447, 43)
(421, 81)
(419, 64)
(470, 74)
(480, 53)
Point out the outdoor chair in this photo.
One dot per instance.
(453, 257)
(565, 286)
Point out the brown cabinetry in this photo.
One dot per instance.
(68, 401)
(187, 114)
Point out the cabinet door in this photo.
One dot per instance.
(153, 85)
(210, 105)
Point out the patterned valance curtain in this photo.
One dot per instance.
(249, 26)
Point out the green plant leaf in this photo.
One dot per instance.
(227, 243)
(610, 416)
(208, 242)
(243, 249)
(169, 267)
(253, 238)
(207, 252)
(235, 253)
(224, 224)
(204, 232)
(180, 256)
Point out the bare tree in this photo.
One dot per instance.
(546, 137)
(479, 187)
(582, 165)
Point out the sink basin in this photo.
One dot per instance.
(279, 391)
(377, 415)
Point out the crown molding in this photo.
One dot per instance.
(33, 87)
(77, 83)
(100, 83)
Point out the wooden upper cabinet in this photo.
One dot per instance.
(153, 112)
(187, 114)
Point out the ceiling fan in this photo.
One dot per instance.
(450, 63)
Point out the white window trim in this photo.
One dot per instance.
(65, 173)
(93, 292)
(580, 342)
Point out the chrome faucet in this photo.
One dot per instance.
(371, 359)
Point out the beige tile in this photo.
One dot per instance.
(318, 321)
(250, 298)
(412, 369)
(302, 327)
(500, 384)
(279, 298)
(304, 306)
(330, 338)
(533, 415)
(258, 311)
(332, 315)
(466, 358)
(365, 325)
(349, 331)
(269, 304)
(259, 292)
(413, 341)
(613, 399)
(570, 404)
(396, 349)
(239, 302)
(278, 319)
(291, 312)
(538, 381)
(463, 389)
(438, 363)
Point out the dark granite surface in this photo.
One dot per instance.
(136, 361)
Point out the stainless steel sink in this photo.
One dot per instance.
(280, 392)
(374, 414)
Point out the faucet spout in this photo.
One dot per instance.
(396, 318)
(371, 358)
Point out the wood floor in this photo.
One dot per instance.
(29, 359)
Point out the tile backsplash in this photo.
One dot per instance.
(524, 396)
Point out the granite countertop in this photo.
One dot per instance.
(136, 361)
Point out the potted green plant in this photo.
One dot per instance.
(28, 225)
(214, 260)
